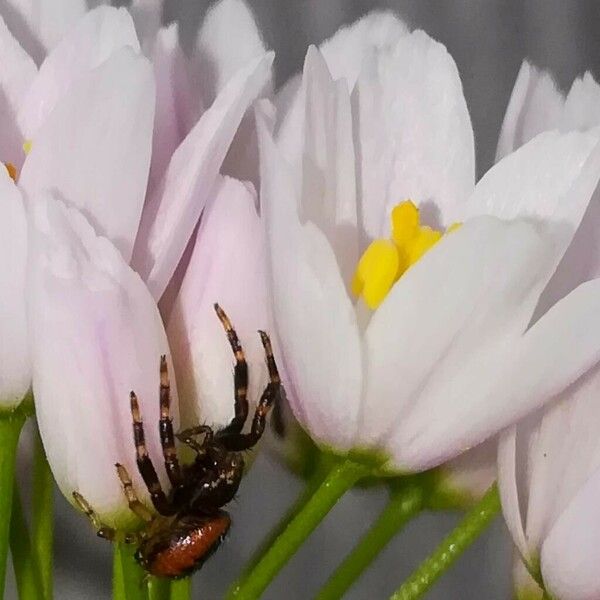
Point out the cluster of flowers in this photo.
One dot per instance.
(417, 313)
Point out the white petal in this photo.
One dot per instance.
(101, 33)
(582, 110)
(217, 58)
(96, 335)
(414, 134)
(535, 105)
(40, 24)
(471, 473)
(227, 267)
(439, 335)
(17, 71)
(94, 148)
(15, 367)
(550, 178)
(524, 586)
(570, 553)
(351, 47)
(314, 316)
(172, 212)
(325, 160)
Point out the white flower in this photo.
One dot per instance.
(447, 359)
(88, 117)
(549, 465)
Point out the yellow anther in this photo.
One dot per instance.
(12, 170)
(454, 227)
(405, 222)
(377, 270)
(27, 146)
(424, 241)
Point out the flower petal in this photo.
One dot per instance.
(17, 71)
(351, 47)
(570, 553)
(101, 33)
(94, 148)
(217, 59)
(175, 110)
(552, 178)
(15, 366)
(147, 16)
(428, 361)
(226, 267)
(313, 314)
(535, 105)
(413, 134)
(171, 214)
(97, 334)
(39, 24)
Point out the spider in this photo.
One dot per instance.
(190, 524)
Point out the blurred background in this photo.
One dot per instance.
(488, 40)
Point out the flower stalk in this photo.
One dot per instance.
(128, 577)
(42, 531)
(406, 502)
(338, 481)
(11, 424)
(443, 557)
(26, 568)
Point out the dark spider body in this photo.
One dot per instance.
(191, 524)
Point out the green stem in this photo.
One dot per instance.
(42, 516)
(10, 428)
(405, 503)
(339, 480)
(128, 576)
(158, 588)
(27, 575)
(464, 534)
(181, 589)
(312, 484)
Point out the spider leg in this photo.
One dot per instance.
(274, 389)
(187, 437)
(144, 463)
(165, 427)
(134, 503)
(240, 375)
(103, 531)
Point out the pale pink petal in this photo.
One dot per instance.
(217, 58)
(96, 335)
(570, 553)
(15, 367)
(39, 25)
(94, 148)
(17, 71)
(101, 33)
(413, 134)
(535, 105)
(175, 112)
(172, 212)
(440, 335)
(314, 317)
(226, 267)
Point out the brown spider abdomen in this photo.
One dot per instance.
(188, 548)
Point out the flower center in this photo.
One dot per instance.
(12, 171)
(386, 260)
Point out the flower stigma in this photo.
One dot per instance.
(386, 260)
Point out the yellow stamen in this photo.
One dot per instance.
(376, 272)
(386, 260)
(12, 170)
(27, 146)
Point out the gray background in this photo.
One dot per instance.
(488, 41)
